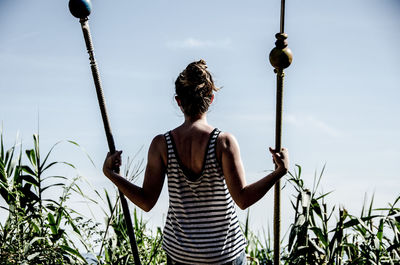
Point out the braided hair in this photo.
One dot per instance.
(194, 87)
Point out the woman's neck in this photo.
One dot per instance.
(191, 121)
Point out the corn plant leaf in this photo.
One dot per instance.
(246, 228)
(72, 223)
(51, 200)
(52, 185)
(30, 153)
(3, 174)
(68, 164)
(356, 221)
(318, 232)
(300, 221)
(29, 195)
(379, 233)
(48, 154)
(136, 220)
(52, 223)
(323, 195)
(4, 190)
(330, 215)
(316, 247)
(75, 143)
(72, 251)
(370, 205)
(110, 205)
(58, 162)
(54, 177)
(316, 183)
(316, 207)
(60, 214)
(28, 170)
(292, 236)
(9, 164)
(8, 155)
(30, 179)
(48, 166)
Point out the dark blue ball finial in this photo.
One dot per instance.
(80, 8)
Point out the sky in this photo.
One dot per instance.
(340, 97)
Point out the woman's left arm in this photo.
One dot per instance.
(146, 196)
(242, 193)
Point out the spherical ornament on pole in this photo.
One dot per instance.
(281, 56)
(80, 8)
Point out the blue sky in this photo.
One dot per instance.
(341, 91)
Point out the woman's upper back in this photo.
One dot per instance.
(191, 145)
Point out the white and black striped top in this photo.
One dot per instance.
(201, 226)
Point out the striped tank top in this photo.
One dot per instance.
(201, 225)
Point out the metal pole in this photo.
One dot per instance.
(81, 9)
(282, 25)
(280, 58)
(107, 128)
(278, 146)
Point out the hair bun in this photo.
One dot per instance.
(195, 87)
(196, 74)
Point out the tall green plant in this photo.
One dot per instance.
(35, 229)
(258, 252)
(43, 230)
(315, 238)
(115, 247)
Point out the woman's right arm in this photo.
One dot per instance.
(146, 196)
(242, 193)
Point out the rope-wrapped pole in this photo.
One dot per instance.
(81, 9)
(278, 146)
(280, 58)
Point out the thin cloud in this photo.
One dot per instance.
(310, 121)
(193, 43)
(301, 122)
(25, 37)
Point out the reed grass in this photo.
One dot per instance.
(43, 230)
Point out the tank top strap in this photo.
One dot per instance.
(212, 146)
(170, 147)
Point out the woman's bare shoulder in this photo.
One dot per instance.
(159, 138)
(227, 144)
(158, 147)
(159, 142)
(226, 140)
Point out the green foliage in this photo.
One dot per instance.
(116, 245)
(35, 231)
(316, 237)
(43, 230)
